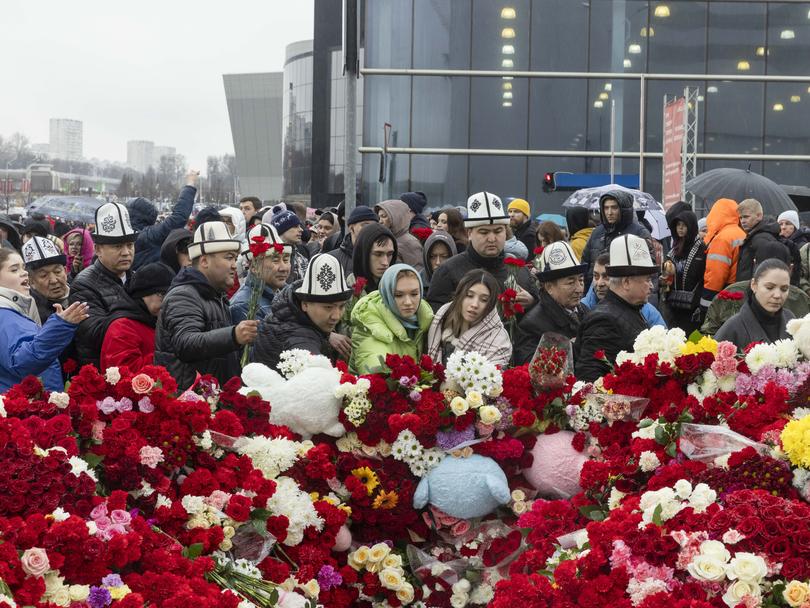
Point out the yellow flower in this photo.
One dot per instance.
(118, 593)
(358, 558)
(796, 441)
(489, 414)
(405, 593)
(392, 579)
(367, 477)
(392, 561)
(385, 500)
(705, 345)
(475, 399)
(311, 588)
(796, 593)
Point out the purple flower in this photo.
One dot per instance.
(112, 580)
(408, 382)
(99, 597)
(125, 405)
(328, 577)
(447, 440)
(107, 406)
(146, 405)
(415, 396)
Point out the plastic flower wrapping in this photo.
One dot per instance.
(679, 479)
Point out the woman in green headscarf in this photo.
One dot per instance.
(393, 320)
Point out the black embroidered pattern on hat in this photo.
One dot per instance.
(475, 205)
(108, 223)
(326, 278)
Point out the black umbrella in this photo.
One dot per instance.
(740, 184)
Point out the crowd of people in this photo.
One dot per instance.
(193, 295)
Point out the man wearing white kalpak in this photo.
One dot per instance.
(103, 283)
(612, 326)
(194, 333)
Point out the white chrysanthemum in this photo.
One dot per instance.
(270, 456)
(60, 400)
(193, 505)
(163, 501)
(787, 353)
(289, 500)
(648, 461)
(761, 355)
(432, 458)
(474, 373)
(293, 362)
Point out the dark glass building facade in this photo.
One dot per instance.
(694, 39)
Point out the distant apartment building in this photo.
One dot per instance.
(66, 139)
(139, 154)
(159, 152)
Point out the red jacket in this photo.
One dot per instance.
(128, 342)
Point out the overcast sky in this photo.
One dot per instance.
(150, 69)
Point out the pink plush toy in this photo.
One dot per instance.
(555, 470)
(343, 540)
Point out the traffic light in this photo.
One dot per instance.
(548, 182)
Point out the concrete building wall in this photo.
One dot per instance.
(255, 111)
(66, 139)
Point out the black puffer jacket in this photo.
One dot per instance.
(545, 316)
(194, 332)
(612, 326)
(101, 289)
(288, 327)
(603, 235)
(761, 236)
(344, 254)
(448, 275)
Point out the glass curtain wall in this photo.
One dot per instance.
(689, 37)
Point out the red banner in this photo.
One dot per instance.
(674, 119)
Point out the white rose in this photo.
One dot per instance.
(459, 406)
(405, 593)
(707, 568)
(79, 593)
(483, 594)
(716, 549)
(311, 588)
(683, 488)
(459, 600)
(474, 399)
(60, 400)
(489, 414)
(61, 597)
(747, 567)
(738, 590)
(392, 579)
(462, 586)
(113, 375)
(702, 496)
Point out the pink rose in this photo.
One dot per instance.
(119, 516)
(218, 499)
(103, 522)
(99, 511)
(460, 527)
(97, 430)
(35, 562)
(142, 384)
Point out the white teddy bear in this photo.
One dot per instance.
(305, 400)
(800, 330)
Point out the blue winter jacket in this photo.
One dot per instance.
(143, 214)
(27, 349)
(648, 311)
(241, 299)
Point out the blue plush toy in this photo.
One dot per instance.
(464, 487)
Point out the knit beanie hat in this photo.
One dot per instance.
(791, 216)
(151, 279)
(521, 205)
(362, 214)
(416, 201)
(285, 220)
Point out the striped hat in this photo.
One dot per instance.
(485, 209)
(324, 281)
(212, 237)
(39, 252)
(113, 225)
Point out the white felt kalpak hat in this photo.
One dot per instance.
(630, 257)
(270, 236)
(485, 209)
(323, 281)
(113, 225)
(39, 252)
(557, 261)
(212, 237)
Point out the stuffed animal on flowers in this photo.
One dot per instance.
(302, 397)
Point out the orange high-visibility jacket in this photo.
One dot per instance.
(723, 240)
